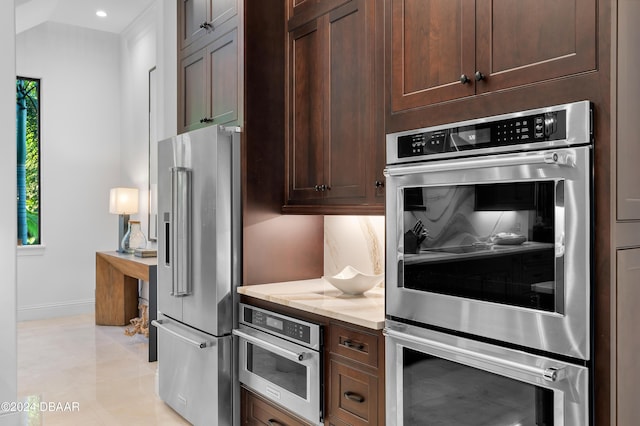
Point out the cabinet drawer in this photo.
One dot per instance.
(354, 344)
(257, 411)
(354, 395)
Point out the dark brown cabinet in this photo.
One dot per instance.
(335, 137)
(258, 411)
(197, 19)
(442, 50)
(210, 66)
(356, 376)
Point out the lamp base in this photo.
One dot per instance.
(123, 225)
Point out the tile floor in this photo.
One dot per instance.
(93, 375)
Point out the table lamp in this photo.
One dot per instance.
(123, 202)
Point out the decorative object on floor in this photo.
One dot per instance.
(139, 325)
(123, 202)
(351, 281)
(134, 238)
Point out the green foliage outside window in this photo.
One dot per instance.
(28, 165)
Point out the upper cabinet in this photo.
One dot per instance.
(335, 132)
(200, 18)
(441, 50)
(209, 64)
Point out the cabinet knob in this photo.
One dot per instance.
(379, 184)
(205, 25)
(464, 79)
(479, 76)
(317, 188)
(325, 188)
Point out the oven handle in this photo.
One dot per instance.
(559, 158)
(550, 374)
(294, 356)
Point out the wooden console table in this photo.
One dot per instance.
(117, 276)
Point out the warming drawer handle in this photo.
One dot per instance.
(295, 356)
(160, 325)
(550, 374)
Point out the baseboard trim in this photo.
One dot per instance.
(53, 310)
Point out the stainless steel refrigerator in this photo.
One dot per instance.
(199, 239)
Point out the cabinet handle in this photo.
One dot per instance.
(317, 188)
(351, 396)
(206, 120)
(379, 184)
(205, 25)
(272, 422)
(325, 188)
(479, 76)
(357, 346)
(464, 79)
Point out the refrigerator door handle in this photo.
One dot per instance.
(160, 325)
(180, 257)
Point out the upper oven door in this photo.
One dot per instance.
(496, 246)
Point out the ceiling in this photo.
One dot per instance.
(82, 13)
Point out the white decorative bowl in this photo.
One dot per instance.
(352, 281)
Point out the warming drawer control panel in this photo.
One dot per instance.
(287, 327)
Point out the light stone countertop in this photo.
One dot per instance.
(320, 297)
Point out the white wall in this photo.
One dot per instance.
(8, 363)
(80, 161)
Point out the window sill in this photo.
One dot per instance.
(36, 250)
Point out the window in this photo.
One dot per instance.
(28, 165)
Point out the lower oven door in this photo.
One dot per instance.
(281, 371)
(451, 380)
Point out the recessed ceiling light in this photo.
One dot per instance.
(101, 13)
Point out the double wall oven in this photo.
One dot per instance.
(488, 277)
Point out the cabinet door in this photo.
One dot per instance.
(628, 339)
(349, 101)
(306, 127)
(354, 395)
(258, 411)
(222, 79)
(432, 46)
(192, 15)
(192, 93)
(528, 41)
(221, 11)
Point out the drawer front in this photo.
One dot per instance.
(257, 411)
(354, 344)
(354, 397)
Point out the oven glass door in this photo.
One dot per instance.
(496, 242)
(284, 372)
(496, 246)
(450, 380)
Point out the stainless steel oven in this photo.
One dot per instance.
(280, 358)
(489, 228)
(442, 379)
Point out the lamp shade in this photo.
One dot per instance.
(123, 200)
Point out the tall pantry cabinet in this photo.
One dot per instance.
(449, 61)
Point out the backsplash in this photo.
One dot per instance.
(354, 240)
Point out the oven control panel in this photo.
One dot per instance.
(549, 126)
(284, 326)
